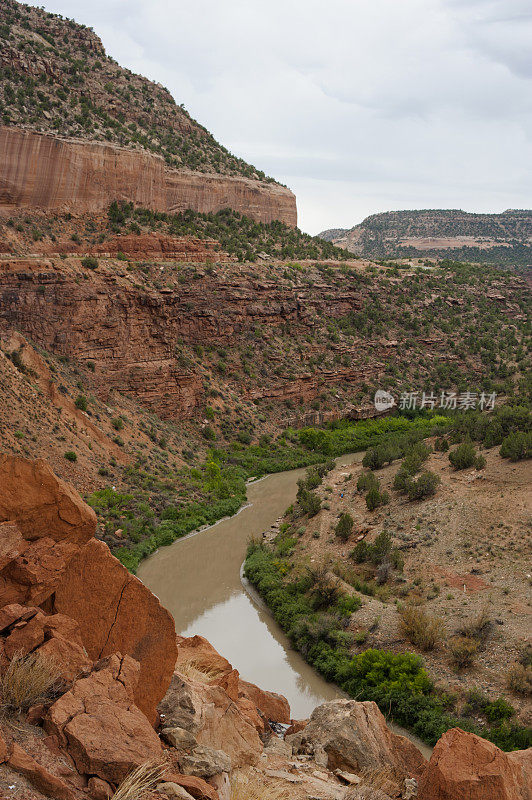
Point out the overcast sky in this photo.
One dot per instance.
(358, 106)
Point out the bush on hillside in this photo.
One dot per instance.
(376, 498)
(466, 456)
(517, 446)
(344, 527)
(422, 629)
(309, 502)
(424, 486)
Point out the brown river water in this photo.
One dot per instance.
(198, 579)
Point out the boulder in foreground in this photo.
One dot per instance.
(465, 767)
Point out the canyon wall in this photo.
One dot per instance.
(45, 172)
(132, 333)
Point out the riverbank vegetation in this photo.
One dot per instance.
(320, 593)
(397, 682)
(160, 507)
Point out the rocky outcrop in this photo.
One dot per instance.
(100, 725)
(353, 736)
(129, 619)
(463, 765)
(264, 202)
(42, 171)
(212, 717)
(209, 705)
(183, 248)
(41, 504)
(434, 232)
(38, 775)
(97, 606)
(197, 651)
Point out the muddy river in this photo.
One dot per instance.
(198, 578)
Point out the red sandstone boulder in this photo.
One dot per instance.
(296, 726)
(117, 613)
(48, 523)
(463, 765)
(13, 613)
(99, 790)
(212, 716)
(354, 736)
(41, 503)
(196, 787)
(70, 657)
(257, 705)
(56, 637)
(274, 706)
(99, 724)
(198, 651)
(26, 638)
(50, 551)
(44, 781)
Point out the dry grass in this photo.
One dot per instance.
(142, 780)
(29, 679)
(377, 784)
(253, 787)
(422, 629)
(196, 671)
(478, 628)
(463, 651)
(519, 679)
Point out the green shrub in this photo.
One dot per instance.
(81, 402)
(344, 527)
(464, 456)
(309, 502)
(89, 262)
(376, 498)
(424, 486)
(517, 446)
(70, 455)
(366, 481)
(117, 423)
(348, 604)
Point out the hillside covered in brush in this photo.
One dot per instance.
(504, 239)
(55, 77)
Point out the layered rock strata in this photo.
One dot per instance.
(42, 171)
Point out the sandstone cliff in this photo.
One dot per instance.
(53, 174)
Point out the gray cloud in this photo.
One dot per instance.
(358, 106)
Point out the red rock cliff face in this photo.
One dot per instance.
(45, 172)
(131, 332)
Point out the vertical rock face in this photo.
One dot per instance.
(128, 619)
(264, 202)
(52, 560)
(45, 172)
